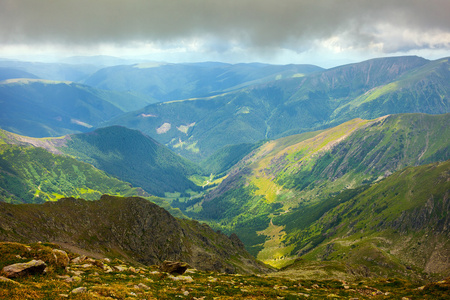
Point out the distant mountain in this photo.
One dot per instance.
(296, 173)
(42, 108)
(166, 82)
(196, 128)
(133, 157)
(33, 175)
(99, 60)
(130, 228)
(51, 71)
(10, 73)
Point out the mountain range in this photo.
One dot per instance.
(42, 108)
(196, 128)
(338, 173)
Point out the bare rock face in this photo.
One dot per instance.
(23, 269)
(174, 267)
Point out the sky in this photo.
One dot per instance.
(326, 33)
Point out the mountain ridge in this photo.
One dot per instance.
(42, 108)
(290, 106)
(132, 228)
(291, 173)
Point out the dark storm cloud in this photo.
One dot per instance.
(251, 23)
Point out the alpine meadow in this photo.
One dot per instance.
(224, 150)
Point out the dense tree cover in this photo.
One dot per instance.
(134, 157)
(223, 159)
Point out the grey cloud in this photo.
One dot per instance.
(254, 23)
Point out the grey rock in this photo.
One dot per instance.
(79, 290)
(23, 269)
(174, 267)
(61, 257)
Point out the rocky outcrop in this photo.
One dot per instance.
(133, 228)
(427, 217)
(174, 267)
(23, 269)
(61, 257)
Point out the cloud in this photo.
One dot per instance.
(386, 25)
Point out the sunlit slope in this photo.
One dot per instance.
(123, 153)
(396, 227)
(424, 89)
(299, 171)
(33, 175)
(197, 127)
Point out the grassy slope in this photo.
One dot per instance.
(130, 281)
(285, 107)
(225, 158)
(29, 175)
(396, 226)
(133, 157)
(301, 171)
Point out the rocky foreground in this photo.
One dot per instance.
(44, 271)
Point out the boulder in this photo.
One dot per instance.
(174, 267)
(22, 269)
(79, 290)
(61, 257)
(79, 259)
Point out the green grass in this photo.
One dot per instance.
(33, 175)
(318, 177)
(144, 282)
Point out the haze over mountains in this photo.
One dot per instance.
(332, 168)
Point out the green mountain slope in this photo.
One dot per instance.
(424, 89)
(33, 175)
(196, 128)
(165, 81)
(133, 157)
(396, 227)
(304, 170)
(39, 108)
(131, 228)
(223, 159)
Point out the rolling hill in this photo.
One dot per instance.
(10, 73)
(196, 128)
(300, 172)
(42, 108)
(120, 152)
(164, 81)
(133, 157)
(33, 175)
(51, 71)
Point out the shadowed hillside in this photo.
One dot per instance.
(133, 228)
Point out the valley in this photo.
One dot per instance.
(337, 175)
